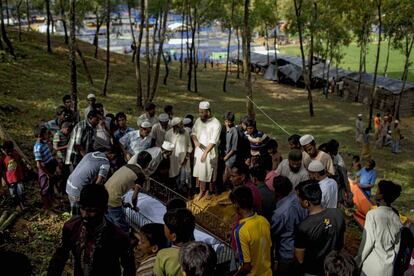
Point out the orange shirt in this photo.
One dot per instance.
(377, 122)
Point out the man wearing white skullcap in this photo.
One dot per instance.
(136, 141)
(205, 135)
(159, 129)
(158, 167)
(310, 153)
(329, 187)
(91, 98)
(359, 130)
(180, 168)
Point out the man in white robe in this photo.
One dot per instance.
(180, 158)
(205, 135)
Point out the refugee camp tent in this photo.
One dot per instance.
(270, 73)
(388, 92)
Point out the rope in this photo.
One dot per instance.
(264, 113)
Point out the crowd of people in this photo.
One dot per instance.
(387, 133)
(288, 217)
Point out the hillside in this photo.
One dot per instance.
(32, 87)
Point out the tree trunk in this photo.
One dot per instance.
(228, 47)
(28, 15)
(154, 38)
(195, 54)
(134, 42)
(7, 13)
(147, 52)
(18, 5)
(65, 28)
(163, 29)
(72, 54)
(374, 83)
(306, 75)
(167, 69)
(267, 45)
(361, 56)
(49, 45)
(246, 60)
(85, 65)
(190, 50)
(108, 44)
(182, 42)
(388, 56)
(95, 42)
(52, 23)
(238, 52)
(409, 42)
(138, 74)
(275, 47)
(4, 36)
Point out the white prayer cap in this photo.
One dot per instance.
(163, 117)
(359, 115)
(167, 146)
(186, 121)
(397, 122)
(306, 139)
(145, 124)
(204, 105)
(175, 121)
(91, 96)
(316, 166)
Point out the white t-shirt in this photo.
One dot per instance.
(329, 193)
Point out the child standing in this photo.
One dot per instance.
(13, 173)
(46, 166)
(179, 229)
(272, 147)
(60, 145)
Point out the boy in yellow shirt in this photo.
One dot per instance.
(252, 235)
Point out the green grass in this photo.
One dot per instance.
(35, 84)
(351, 59)
(33, 87)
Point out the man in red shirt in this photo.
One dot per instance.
(12, 167)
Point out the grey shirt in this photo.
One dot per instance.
(285, 220)
(232, 140)
(91, 166)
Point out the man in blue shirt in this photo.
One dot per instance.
(285, 220)
(367, 177)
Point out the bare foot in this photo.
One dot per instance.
(208, 195)
(225, 202)
(199, 196)
(50, 213)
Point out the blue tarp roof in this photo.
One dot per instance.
(392, 85)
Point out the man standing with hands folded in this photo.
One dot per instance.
(205, 135)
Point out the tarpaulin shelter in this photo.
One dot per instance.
(388, 92)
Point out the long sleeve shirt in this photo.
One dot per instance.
(110, 253)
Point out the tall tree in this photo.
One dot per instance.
(230, 24)
(138, 55)
(246, 60)
(48, 16)
(302, 10)
(28, 15)
(162, 34)
(19, 18)
(108, 45)
(401, 12)
(147, 51)
(72, 53)
(4, 35)
(374, 82)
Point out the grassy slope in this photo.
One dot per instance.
(351, 59)
(35, 84)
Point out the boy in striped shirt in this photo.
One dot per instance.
(46, 166)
